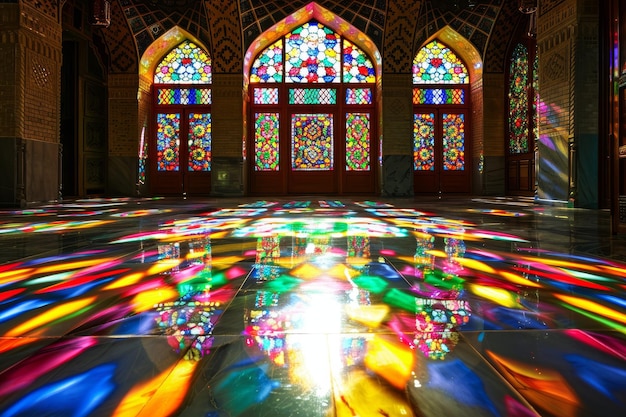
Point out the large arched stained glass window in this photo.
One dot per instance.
(440, 81)
(181, 79)
(182, 127)
(316, 67)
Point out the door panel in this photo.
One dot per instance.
(182, 153)
(319, 141)
(439, 157)
(312, 153)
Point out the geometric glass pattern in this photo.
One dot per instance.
(312, 142)
(168, 141)
(453, 141)
(312, 54)
(435, 63)
(268, 66)
(518, 101)
(438, 96)
(266, 96)
(357, 142)
(185, 64)
(199, 142)
(312, 96)
(357, 67)
(424, 142)
(266, 143)
(186, 96)
(358, 96)
(536, 96)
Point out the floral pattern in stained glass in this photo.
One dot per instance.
(199, 142)
(453, 141)
(435, 63)
(357, 142)
(312, 54)
(168, 142)
(518, 101)
(312, 142)
(266, 142)
(268, 66)
(357, 67)
(424, 142)
(185, 64)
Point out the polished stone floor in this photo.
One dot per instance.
(311, 307)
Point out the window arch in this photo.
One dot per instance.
(312, 106)
(440, 120)
(522, 126)
(182, 125)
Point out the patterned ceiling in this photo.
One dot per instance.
(399, 27)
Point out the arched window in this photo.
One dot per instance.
(181, 128)
(522, 126)
(440, 120)
(312, 115)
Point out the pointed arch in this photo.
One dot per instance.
(155, 53)
(445, 71)
(329, 94)
(176, 75)
(312, 11)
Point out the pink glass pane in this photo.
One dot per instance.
(358, 142)
(358, 96)
(266, 96)
(424, 142)
(435, 63)
(357, 67)
(199, 142)
(453, 141)
(312, 142)
(266, 142)
(168, 141)
(312, 54)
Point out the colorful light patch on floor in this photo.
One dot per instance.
(348, 308)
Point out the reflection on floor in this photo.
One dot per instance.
(311, 307)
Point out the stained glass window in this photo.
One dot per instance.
(266, 146)
(268, 67)
(312, 142)
(439, 136)
(438, 96)
(266, 96)
(358, 142)
(358, 96)
(357, 67)
(536, 95)
(312, 96)
(453, 142)
(183, 96)
(199, 142)
(168, 141)
(435, 63)
(185, 64)
(424, 142)
(518, 101)
(312, 54)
